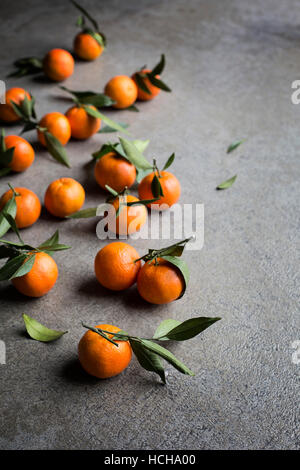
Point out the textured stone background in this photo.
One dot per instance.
(230, 64)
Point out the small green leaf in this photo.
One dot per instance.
(108, 129)
(4, 171)
(10, 219)
(189, 328)
(157, 70)
(141, 145)
(141, 83)
(134, 155)
(9, 208)
(27, 66)
(86, 14)
(106, 148)
(95, 113)
(7, 252)
(97, 36)
(169, 161)
(25, 267)
(156, 187)
(226, 184)
(133, 108)
(56, 149)
(28, 126)
(11, 267)
(164, 327)
(234, 145)
(53, 240)
(39, 332)
(99, 100)
(147, 359)
(158, 83)
(183, 268)
(167, 355)
(83, 214)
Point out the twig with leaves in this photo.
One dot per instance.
(149, 352)
(26, 111)
(88, 99)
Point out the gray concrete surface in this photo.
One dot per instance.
(230, 64)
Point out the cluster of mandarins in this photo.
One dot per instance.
(117, 265)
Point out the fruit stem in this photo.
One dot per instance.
(101, 333)
(155, 168)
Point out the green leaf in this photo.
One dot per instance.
(53, 240)
(141, 83)
(39, 332)
(134, 155)
(27, 66)
(97, 36)
(164, 327)
(106, 148)
(189, 328)
(11, 267)
(83, 214)
(4, 171)
(7, 252)
(133, 108)
(234, 145)
(226, 184)
(157, 70)
(80, 21)
(158, 83)
(108, 129)
(9, 208)
(28, 126)
(56, 149)
(183, 268)
(86, 14)
(167, 355)
(13, 225)
(141, 145)
(147, 359)
(156, 188)
(169, 161)
(95, 113)
(25, 267)
(99, 100)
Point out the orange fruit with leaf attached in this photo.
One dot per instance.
(40, 279)
(83, 125)
(160, 283)
(15, 95)
(130, 219)
(154, 90)
(64, 196)
(58, 64)
(23, 155)
(122, 90)
(101, 358)
(86, 47)
(115, 266)
(28, 206)
(170, 187)
(58, 125)
(115, 171)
